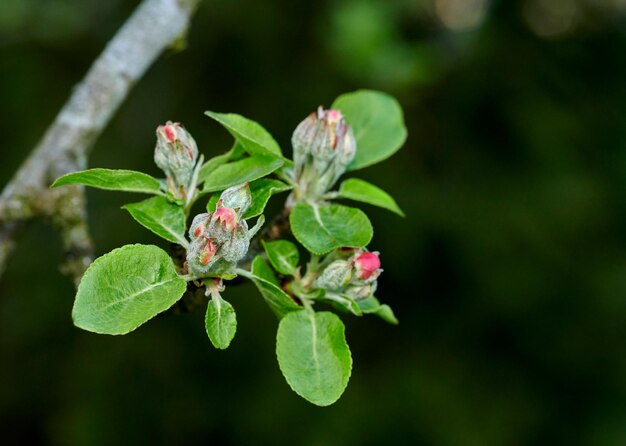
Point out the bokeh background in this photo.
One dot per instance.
(508, 274)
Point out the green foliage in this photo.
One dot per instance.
(378, 125)
(220, 322)
(237, 172)
(359, 190)
(261, 269)
(283, 255)
(162, 217)
(278, 301)
(262, 190)
(212, 164)
(122, 180)
(314, 356)
(321, 229)
(371, 305)
(251, 135)
(125, 288)
(128, 286)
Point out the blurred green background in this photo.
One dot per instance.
(508, 274)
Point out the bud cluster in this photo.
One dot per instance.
(323, 146)
(221, 238)
(354, 277)
(176, 153)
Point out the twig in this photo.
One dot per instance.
(154, 26)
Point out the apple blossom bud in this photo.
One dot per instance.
(353, 275)
(176, 153)
(367, 265)
(237, 197)
(336, 275)
(226, 217)
(358, 292)
(323, 146)
(218, 241)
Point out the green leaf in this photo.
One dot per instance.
(359, 190)
(125, 288)
(279, 301)
(342, 302)
(250, 134)
(165, 219)
(283, 255)
(220, 322)
(261, 191)
(262, 269)
(211, 205)
(109, 179)
(321, 229)
(313, 355)
(371, 305)
(237, 172)
(378, 125)
(213, 164)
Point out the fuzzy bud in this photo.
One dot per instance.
(353, 275)
(367, 265)
(218, 241)
(336, 275)
(323, 146)
(358, 292)
(176, 153)
(237, 197)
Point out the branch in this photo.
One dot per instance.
(154, 26)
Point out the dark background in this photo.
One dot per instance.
(508, 274)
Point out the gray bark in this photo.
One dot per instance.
(154, 26)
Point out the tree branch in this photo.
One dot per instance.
(154, 26)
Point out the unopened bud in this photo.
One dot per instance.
(226, 217)
(218, 242)
(358, 292)
(176, 153)
(323, 146)
(367, 265)
(336, 275)
(237, 197)
(235, 248)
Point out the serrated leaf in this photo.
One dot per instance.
(371, 305)
(378, 124)
(283, 255)
(313, 355)
(165, 219)
(250, 134)
(359, 190)
(237, 172)
(278, 301)
(220, 322)
(320, 229)
(125, 288)
(212, 164)
(261, 191)
(110, 179)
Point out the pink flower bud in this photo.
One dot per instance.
(226, 217)
(323, 146)
(208, 252)
(176, 153)
(367, 264)
(237, 197)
